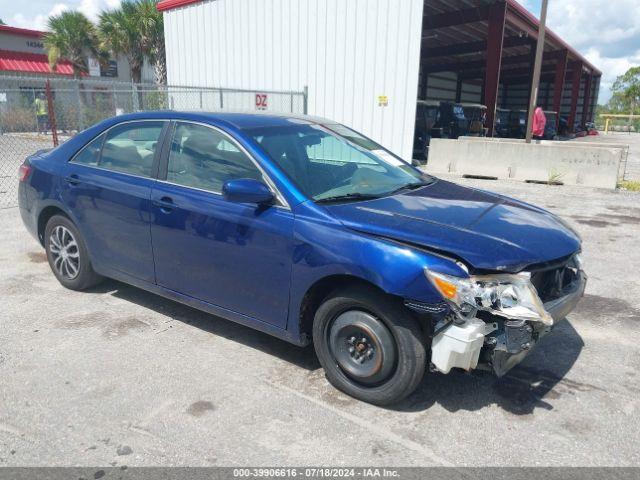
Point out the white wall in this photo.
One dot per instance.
(346, 52)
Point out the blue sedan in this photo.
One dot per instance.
(306, 230)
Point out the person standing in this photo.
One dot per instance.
(539, 123)
(42, 113)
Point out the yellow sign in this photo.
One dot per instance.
(383, 100)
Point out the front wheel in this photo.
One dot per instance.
(369, 345)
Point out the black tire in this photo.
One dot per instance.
(80, 276)
(385, 318)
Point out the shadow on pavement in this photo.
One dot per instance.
(301, 357)
(528, 386)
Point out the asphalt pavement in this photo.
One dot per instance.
(118, 376)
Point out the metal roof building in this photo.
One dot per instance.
(367, 62)
(22, 53)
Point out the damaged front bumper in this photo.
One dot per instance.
(497, 344)
(518, 337)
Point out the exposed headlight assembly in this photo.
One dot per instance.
(510, 296)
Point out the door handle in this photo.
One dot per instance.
(165, 204)
(72, 179)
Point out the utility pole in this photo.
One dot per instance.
(537, 67)
(52, 114)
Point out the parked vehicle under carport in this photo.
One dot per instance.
(517, 123)
(550, 129)
(502, 122)
(427, 116)
(476, 115)
(437, 119)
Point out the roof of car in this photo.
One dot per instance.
(240, 120)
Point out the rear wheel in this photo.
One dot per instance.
(369, 345)
(67, 254)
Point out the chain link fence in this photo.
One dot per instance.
(34, 116)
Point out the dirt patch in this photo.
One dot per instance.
(124, 450)
(37, 257)
(593, 222)
(607, 311)
(615, 307)
(199, 408)
(621, 208)
(20, 285)
(85, 320)
(111, 326)
(624, 219)
(122, 327)
(578, 427)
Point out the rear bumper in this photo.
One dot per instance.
(515, 341)
(27, 210)
(30, 222)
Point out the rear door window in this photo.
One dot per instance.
(131, 147)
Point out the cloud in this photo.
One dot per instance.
(91, 8)
(614, 28)
(611, 68)
(606, 33)
(39, 22)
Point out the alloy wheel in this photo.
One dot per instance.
(65, 252)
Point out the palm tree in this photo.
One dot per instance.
(152, 36)
(119, 32)
(71, 35)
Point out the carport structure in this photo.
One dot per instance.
(484, 50)
(364, 64)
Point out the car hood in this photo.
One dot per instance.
(486, 230)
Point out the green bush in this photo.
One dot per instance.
(631, 185)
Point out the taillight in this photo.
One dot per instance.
(23, 172)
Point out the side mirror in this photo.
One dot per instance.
(247, 190)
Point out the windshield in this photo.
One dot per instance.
(332, 162)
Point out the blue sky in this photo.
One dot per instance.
(607, 33)
(34, 13)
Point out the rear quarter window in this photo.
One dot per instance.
(90, 153)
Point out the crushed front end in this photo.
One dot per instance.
(494, 321)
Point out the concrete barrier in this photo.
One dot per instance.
(567, 143)
(570, 163)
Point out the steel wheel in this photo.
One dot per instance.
(362, 346)
(65, 252)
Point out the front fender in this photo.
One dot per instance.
(324, 248)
